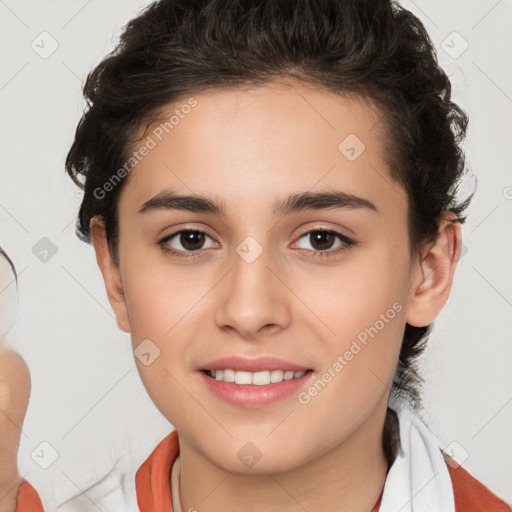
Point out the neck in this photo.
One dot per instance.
(350, 477)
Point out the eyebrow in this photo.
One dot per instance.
(329, 200)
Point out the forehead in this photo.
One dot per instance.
(248, 142)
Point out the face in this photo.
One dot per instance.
(322, 285)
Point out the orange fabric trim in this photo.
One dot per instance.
(152, 478)
(472, 495)
(28, 499)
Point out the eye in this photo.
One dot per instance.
(322, 240)
(187, 243)
(190, 240)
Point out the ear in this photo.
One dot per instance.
(433, 273)
(111, 273)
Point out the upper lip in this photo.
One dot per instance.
(258, 364)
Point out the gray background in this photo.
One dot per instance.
(87, 399)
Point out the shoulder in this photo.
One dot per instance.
(470, 494)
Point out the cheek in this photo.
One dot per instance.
(348, 299)
(158, 319)
(359, 365)
(159, 297)
(362, 313)
(164, 308)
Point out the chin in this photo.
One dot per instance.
(247, 459)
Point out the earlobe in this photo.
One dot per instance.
(434, 274)
(111, 273)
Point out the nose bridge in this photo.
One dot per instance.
(251, 296)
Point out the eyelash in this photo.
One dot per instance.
(347, 244)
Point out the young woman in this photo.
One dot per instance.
(270, 189)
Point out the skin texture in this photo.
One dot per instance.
(249, 148)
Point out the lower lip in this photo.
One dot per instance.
(252, 396)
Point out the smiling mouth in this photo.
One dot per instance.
(262, 378)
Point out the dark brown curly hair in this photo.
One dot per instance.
(374, 49)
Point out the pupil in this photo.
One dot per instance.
(318, 236)
(187, 240)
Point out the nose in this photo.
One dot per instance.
(253, 296)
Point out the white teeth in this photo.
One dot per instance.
(228, 376)
(242, 377)
(257, 378)
(260, 378)
(276, 375)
